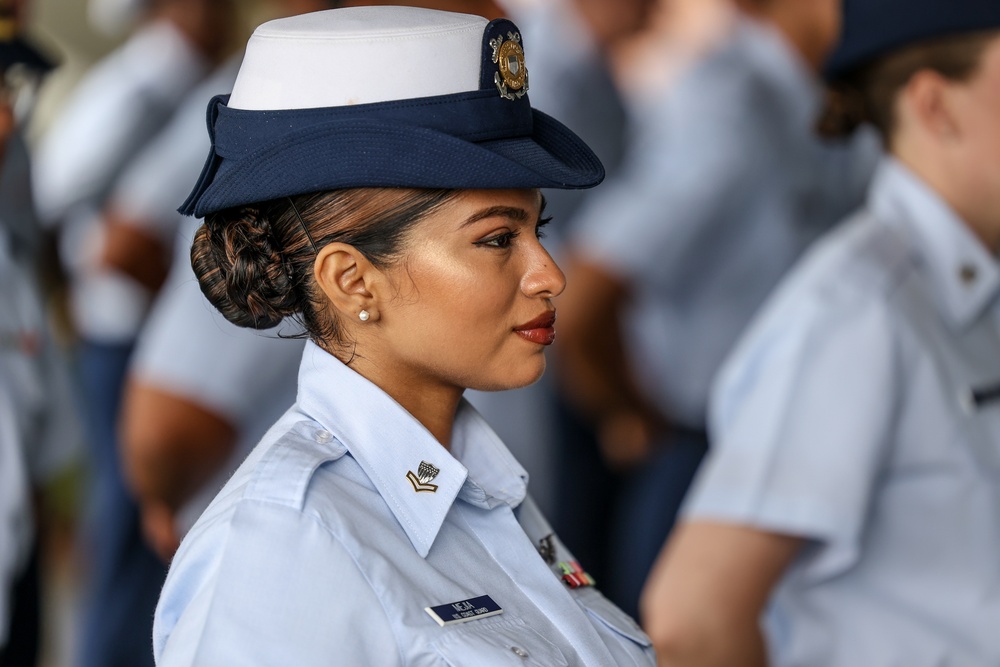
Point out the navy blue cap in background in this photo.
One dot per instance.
(19, 51)
(873, 28)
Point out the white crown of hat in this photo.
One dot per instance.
(359, 55)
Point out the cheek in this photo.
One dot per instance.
(452, 299)
(984, 134)
(991, 123)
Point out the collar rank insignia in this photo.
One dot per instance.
(574, 576)
(512, 78)
(426, 472)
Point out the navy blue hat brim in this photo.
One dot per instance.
(464, 141)
(19, 51)
(873, 28)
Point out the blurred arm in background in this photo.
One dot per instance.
(706, 604)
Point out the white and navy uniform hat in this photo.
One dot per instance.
(383, 97)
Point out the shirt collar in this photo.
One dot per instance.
(390, 444)
(964, 276)
(495, 476)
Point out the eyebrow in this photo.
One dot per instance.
(511, 212)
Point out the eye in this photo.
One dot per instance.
(501, 240)
(539, 232)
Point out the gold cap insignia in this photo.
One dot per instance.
(511, 78)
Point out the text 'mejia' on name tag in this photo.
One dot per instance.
(464, 610)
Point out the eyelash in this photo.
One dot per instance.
(503, 241)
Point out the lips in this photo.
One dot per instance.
(540, 330)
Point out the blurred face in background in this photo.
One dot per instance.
(812, 26)
(823, 21)
(208, 24)
(611, 21)
(19, 12)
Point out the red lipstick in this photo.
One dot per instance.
(540, 330)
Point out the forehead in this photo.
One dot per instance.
(526, 196)
(515, 203)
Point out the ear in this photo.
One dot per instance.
(932, 102)
(347, 279)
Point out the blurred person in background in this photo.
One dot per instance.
(200, 391)
(679, 33)
(120, 104)
(725, 186)
(39, 436)
(38, 425)
(23, 66)
(189, 409)
(849, 512)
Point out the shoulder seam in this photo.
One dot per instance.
(292, 444)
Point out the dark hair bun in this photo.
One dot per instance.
(241, 269)
(845, 111)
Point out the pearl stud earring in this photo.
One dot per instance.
(363, 315)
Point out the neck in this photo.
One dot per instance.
(956, 187)
(434, 406)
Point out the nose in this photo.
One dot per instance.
(543, 278)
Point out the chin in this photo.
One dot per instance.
(513, 377)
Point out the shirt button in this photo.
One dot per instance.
(323, 437)
(519, 652)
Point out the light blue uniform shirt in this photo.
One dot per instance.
(724, 188)
(846, 416)
(319, 551)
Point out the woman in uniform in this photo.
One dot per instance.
(374, 173)
(853, 491)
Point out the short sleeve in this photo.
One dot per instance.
(274, 597)
(801, 420)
